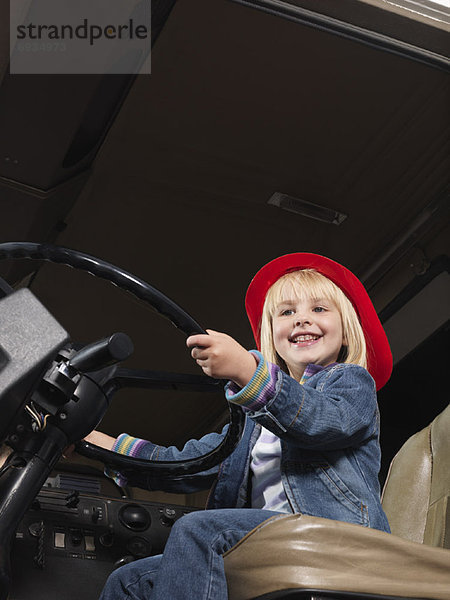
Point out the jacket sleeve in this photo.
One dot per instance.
(337, 408)
(146, 450)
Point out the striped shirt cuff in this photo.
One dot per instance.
(128, 445)
(259, 390)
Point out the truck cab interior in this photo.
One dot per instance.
(265, 127)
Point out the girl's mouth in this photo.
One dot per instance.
(304, 339)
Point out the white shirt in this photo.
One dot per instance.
(267, 488)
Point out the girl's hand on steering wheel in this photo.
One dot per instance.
(221, 357)
(95, 437)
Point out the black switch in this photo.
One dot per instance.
(75, 536)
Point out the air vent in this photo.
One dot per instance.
(307, 209)
(72, 482)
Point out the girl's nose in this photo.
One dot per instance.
(301, 322)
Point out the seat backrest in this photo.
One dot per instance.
(416, 495)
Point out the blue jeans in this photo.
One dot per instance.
(191, 567)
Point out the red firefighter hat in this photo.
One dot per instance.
(379, 356)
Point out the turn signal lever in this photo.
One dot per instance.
(104, 353)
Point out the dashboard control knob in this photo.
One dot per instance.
(107, 539)
(134, 517)
(139, 547)
(34, 529)
(168, 517)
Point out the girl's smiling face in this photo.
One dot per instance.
(305, 331)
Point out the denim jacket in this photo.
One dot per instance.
(330, 452)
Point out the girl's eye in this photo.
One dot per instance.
(318, 309)
(286, 312)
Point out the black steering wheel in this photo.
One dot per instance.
(181, 320)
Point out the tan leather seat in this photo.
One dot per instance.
(417, 490)
(301, 552)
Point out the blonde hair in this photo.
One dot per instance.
(309, 283)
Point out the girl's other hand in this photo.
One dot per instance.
(95, 437)
(220, 356)
(100, 439)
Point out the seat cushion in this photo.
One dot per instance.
(298, 551)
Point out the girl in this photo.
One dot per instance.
(311, 440)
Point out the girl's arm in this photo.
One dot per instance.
(95, 437)
(146, 450)
(335, 408)
(100, 439)
(143, 449)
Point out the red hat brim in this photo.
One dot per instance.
(379, 356)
